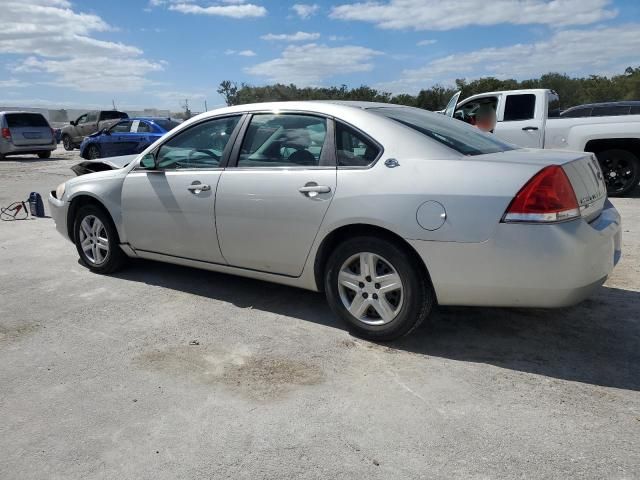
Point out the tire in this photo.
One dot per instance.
(621, 171)
(97, 259)
(404, 309)
(67, 143)
(93, 152)
(44, 155)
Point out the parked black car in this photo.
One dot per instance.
(605, 109)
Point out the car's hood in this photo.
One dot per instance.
(102, 164)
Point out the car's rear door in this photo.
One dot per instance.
(29, 129)
(272, 198)
(170, 209)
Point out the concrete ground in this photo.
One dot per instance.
(100, 376)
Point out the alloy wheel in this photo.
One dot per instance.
(617, 173)
(93, 153)
(94, 240)
(370, 288)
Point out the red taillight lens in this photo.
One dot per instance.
(547, 197)
(6, 133)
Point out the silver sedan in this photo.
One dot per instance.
(388, 209)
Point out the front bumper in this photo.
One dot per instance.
(58, 210)
(526, 265)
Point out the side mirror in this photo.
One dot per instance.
(148, 161)
(73, 122)
(105, 131)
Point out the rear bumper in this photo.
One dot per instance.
(58, 210)
(525, 265)
(8, 148)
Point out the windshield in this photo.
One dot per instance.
(453, 133)
(113, 115)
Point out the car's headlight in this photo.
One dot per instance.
(60, 191)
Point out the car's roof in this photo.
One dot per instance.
(149, 119)
(19, 111)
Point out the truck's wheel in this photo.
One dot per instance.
(67, 143)
(621, 170)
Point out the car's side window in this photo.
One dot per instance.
(121, 127)
(143, 127)
(283, 140)
(91, 117)
(519, 107)
(200, 146)
(353, 148)
(81, 119)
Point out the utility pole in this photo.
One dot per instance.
(205, 105)
(187, 112)
(113, 102)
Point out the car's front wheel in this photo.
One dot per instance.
(67, 143)
(93, 152)
(376, 287)
(97, 240)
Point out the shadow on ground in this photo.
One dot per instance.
(597, 342)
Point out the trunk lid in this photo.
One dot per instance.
(29, 129)
(588, 184)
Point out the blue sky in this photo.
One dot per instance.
(144, 53)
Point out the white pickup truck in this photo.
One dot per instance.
(530, 118)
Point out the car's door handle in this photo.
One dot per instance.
(529, 129)
(312, 189)
(198, 187)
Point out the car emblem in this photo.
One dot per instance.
(391, 163)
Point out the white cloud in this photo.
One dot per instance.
(236, 10)
(446, 15)
(575, 52)
(311, 64)
(291, 37)
(424, 43)
(57, 41)
(242, 53)
(13, 83)
(305, 10)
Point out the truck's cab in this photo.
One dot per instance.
(531, 118)
(521, 114)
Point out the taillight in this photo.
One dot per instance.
(547, 197)
(6, 133)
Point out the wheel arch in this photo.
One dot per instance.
(340, 234)
(79, 201)
(599, 145)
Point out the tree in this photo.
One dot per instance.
(229, 90)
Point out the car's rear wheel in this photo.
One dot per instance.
(44, 155)
(97, 240)
(93, 152)
(67, 143)
(376, 287)
(621, 171)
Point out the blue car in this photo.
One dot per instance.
(127, 137)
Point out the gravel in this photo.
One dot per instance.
(164, 372)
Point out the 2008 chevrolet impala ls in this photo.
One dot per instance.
(388, 209)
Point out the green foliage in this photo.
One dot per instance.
(572, 91)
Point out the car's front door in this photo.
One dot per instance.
(169, 209)
(272, 199)
(521, 120)
(110, 142)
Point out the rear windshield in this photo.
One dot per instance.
(17, 120)
(455, 134)
(113, 115)
(166, 124)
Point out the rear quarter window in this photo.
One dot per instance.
(17, 120)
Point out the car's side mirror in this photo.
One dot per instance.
(148, 161)
(73, 122)
(105, 131)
